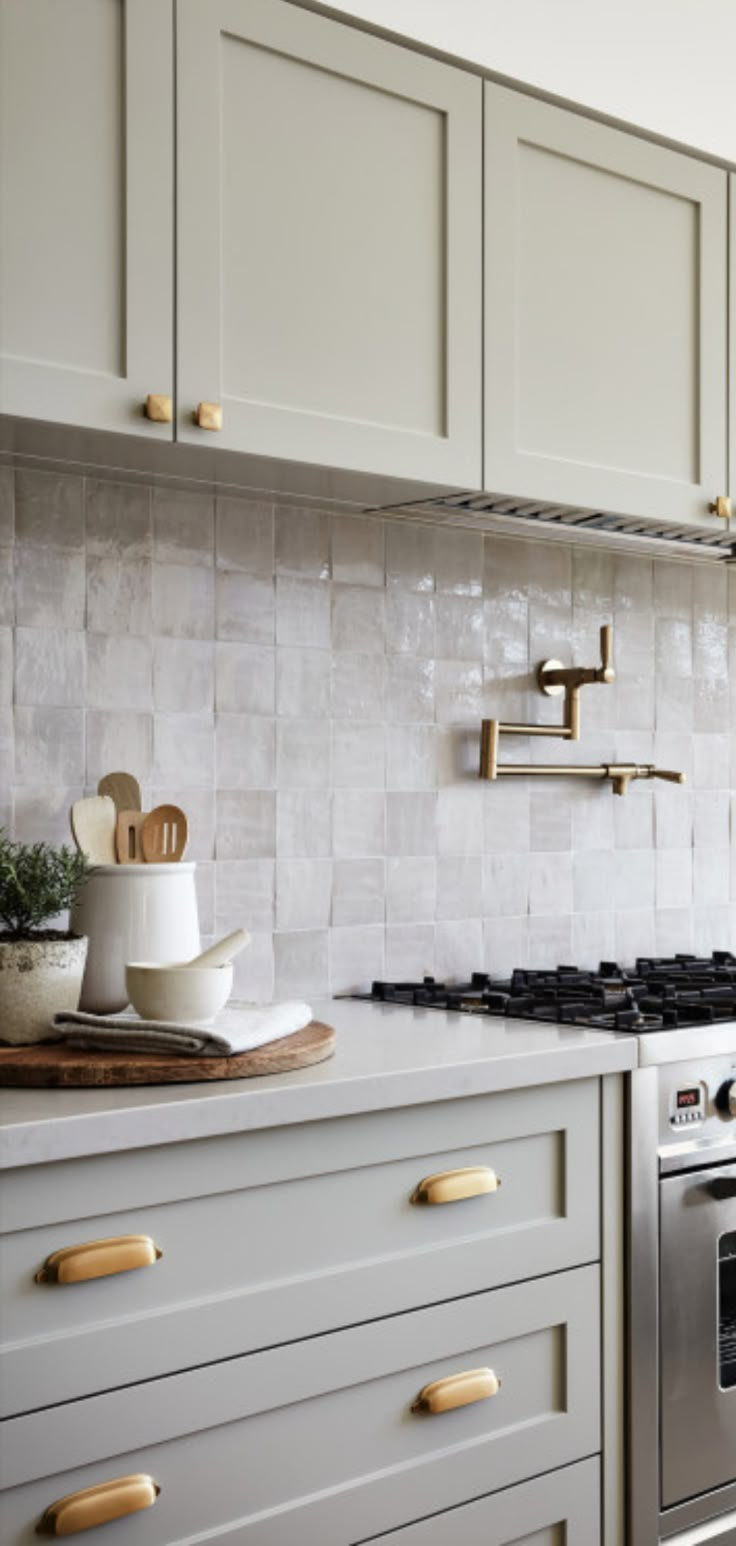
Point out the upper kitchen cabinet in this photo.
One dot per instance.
(605, 316)
(86, 202)
(732, 341)
(329, 244)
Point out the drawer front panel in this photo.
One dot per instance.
(329, 1425)
(562, 1509)
(287, 1248)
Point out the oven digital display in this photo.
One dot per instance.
(687, 1098)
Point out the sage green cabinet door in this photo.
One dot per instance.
(605, 316)
(86, 200)
(329, 243)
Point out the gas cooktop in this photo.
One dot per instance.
(656, 994)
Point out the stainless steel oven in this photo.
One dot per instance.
(682, 1289)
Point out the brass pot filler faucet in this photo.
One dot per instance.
(554, 679)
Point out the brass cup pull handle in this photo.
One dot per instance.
(98, 1259)
(158, 407)
(456, 1185)
(208, 416)
(98, 1505)
(457, 1390)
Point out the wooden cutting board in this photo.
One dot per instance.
(50, 1064)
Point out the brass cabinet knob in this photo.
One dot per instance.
(98, 1505)
(721, 506)
(98, 1259)
(158, 407)
(208, 416)
(457, 1390)
(456, 1185)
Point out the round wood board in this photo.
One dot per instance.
(50, 1064)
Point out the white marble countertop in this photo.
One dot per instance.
(386, 1056)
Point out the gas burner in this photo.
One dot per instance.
(656, 994)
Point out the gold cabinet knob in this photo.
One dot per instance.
(158, 407)
(457, 1390)
(98, 1259)
(456, 1185)
(208, 416)
(98, 1505)
(721, 506)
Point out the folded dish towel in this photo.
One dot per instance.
(238, 1028)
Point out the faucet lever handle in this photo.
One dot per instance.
(607, 672)
(668, 775)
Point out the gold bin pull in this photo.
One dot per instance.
(457, 1390)
(98, 1259)
(456, 1185)
(98, 1505)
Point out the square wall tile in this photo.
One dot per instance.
(302, 542)
(303, 753)
(459, 627)
(358, 755)
(409, 556)
(183, 601)
(245, 895)
(244, 535)
(303, 823)
(124, 739)
(119, 596)
(49, 667)
(458, 558)
(302, 613)
(49, 746)
(303, 893)
(356, 957)
(6, 665)
(118, 519)
(459, 887)
(550, 884)
(303, 680)
(183, 675)
(410, 823)
(7, 586)
(358, 550)
(411, 761)
(245, 752)
(300, 959)
(357, 619)
(245, 679)
(183, 527)
(409, 623)
(410, 950)
(7, 507)
(505, 885)
(358, 889)
(245, 607)
(246, 824)
(357, 686)
(42, 813)
(409, 689)
(411, 890)
(459, 819)
(49, 510)
(49, 588)
(119, 672)
(358, 823)
(254, 978)
(457, 945)
(184, 752)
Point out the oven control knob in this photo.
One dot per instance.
(726, 1098)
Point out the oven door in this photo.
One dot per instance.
(698, 1332)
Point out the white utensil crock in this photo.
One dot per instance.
(133, 912)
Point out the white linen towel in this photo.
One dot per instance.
(238, 1028)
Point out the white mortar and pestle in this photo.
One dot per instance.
(184, 991)
(133, 912)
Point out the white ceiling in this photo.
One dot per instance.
(666, 65)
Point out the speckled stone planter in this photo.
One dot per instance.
(38, 978)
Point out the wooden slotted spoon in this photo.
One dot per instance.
(164, 834)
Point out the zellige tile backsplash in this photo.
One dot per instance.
(310, 687)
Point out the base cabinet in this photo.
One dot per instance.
(558, 1510)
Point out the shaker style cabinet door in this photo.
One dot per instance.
(732, 340)
(605, 316)
(86, 201)
(329, 244)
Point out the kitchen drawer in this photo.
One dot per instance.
(562, 1509)
(319, 1440)
(273, 1236)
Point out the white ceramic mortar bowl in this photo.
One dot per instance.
(178, 993)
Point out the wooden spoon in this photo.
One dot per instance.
(164, 835)
(123, 789)
(93, 828)
(128, 837)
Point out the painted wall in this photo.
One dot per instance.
(309, 687)
(666, 65)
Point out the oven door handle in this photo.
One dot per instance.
(723, 1187)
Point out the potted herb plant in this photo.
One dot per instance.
(41, 968)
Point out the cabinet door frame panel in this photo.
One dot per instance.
(303, 434)
(511, 119)
(97, 400)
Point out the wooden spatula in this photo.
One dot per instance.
(93, 828)
(128, 837)
(123, 789)
(164, 835)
